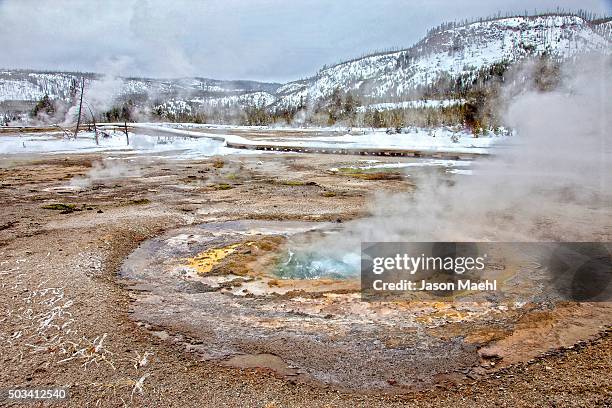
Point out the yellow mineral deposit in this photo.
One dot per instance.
(205, 261)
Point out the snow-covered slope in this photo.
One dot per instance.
(378, 78)
(258, 99)
(31, 86)
(452, 52)
(183, 105)
(411, 104)
(23, 85)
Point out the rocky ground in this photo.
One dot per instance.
(64, 314)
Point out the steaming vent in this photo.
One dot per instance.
(299, 264)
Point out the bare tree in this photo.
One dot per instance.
(127, 135)
(80, 107)
(93, 119)
(66, 132)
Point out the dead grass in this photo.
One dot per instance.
(140, 201)
(294, 183)
(62, 208)
(59, 207)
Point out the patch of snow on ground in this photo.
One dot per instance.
(467, 172)
(439, 140)
(423, 163)
(175, 147)
(449, 164)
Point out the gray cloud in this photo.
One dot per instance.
(228, 39)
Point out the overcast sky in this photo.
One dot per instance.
(272, 40)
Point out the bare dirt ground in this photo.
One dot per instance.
(64, 318)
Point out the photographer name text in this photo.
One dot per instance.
(423, 285)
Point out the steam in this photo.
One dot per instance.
(104, 171)
(299, 119)
(551, 184)
(100, 95)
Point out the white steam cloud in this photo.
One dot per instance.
(105, 171)
(551, 184)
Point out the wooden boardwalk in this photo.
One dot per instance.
(359, 151)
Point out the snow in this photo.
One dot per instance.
(180, 143)
(34, 86)
(258, 99)
(438, 140)
(273, 127)
(21, 85)
(460, 50)
(431, 103)
(421, 163)
(376, 165)
(383, 76)
(466, 172)
(170, 147)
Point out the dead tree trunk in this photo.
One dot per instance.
(80, 107)
(93, 119)
(127, 135)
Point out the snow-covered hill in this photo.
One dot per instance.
(23, 85)
(389, 77)
(31, 86)
(454, 51)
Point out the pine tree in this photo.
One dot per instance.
(377, 119)
(350, 105)
(44, 105)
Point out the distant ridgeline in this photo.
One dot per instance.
(452, 76)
